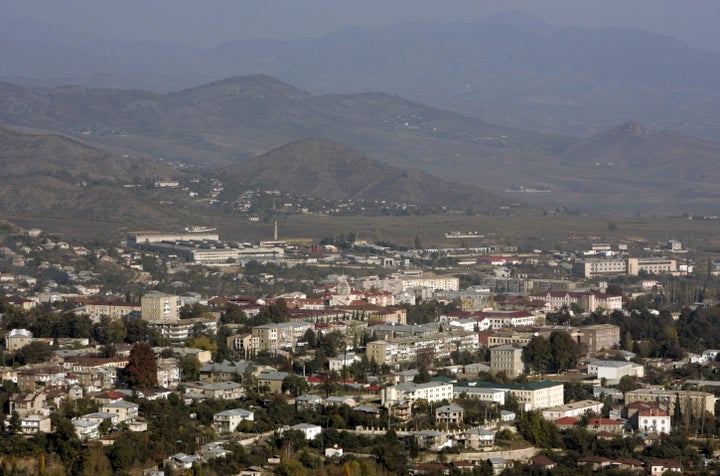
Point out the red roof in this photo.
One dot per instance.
(566, 421)
(602, 421)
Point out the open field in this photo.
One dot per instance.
(547, 232)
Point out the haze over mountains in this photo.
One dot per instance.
(626, 169)
(507, 69)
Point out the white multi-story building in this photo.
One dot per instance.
(409, 392)
(281, 335)
(532, 395)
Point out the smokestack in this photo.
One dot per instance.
(275, 235)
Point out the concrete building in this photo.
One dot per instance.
(630, 266)
(437, 345)
(532, 395)
(574, 409)
(612, 371)
(654, 421)
(17, 339)
(159, 307)
(691, 402)
(597, 337)
(449, 414)
(409, 392)
(508, 359)
(492, 395)
(227, 421)
(276, 336)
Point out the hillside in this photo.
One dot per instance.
(50, 176)
(326, 170)
(237, 118)
(508, 69)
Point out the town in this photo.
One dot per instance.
(179, 353)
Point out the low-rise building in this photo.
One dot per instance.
(227, 421)
(654, 421)
(612, 370)
(449, 414)
(532, 395)
(573, 409)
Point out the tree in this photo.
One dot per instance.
(295, 385)
(190, 368)
(141, 370)
(538, 354)
(33, 353)
(564, 351)
(290, 467)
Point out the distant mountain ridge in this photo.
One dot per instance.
(326, 170)
(508, 69)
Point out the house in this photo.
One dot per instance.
(429, 439)
(86, 429)
(431, 468)
(308, 401)
(310, 431)
(498, 465)
(31, 424)
(17, 339)
(219, 390)
(605, 424)
(566, 423)
(653, 421)
(452, 414)
(477, 438)
(227, 421)
(659, 467)
(595, 462)
(333, 400)
(333, 451)
(123, 409)
(271, 380)
(543, 462)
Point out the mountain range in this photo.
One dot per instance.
(627, 168)
(507, 69)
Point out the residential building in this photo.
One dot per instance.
(653, 421)
(227, 421)
(493, 395)
(589, 301)
(449, 414)
(438, 345)
(409, 392)
(310, 431)
(17, 339)
(605, 424)
(123, 409)
(477, 438)
(32, 424)
(113, 310)
(159, 307)
(271, 380)
(597, 337)
(276, 336)
(508, 359)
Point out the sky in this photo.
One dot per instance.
(203, 23)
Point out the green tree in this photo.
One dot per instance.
(564, 351)
(538, 354)
(295, 385)
(33, 353)
(291, 467)
(141, 370)
(190, 368)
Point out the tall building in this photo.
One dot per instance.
(156, 307)
(508, 359)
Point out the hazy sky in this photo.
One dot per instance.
(208, 22)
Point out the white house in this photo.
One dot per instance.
(613, 370)
(228, 420)
(310, 431)
(654, 421)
